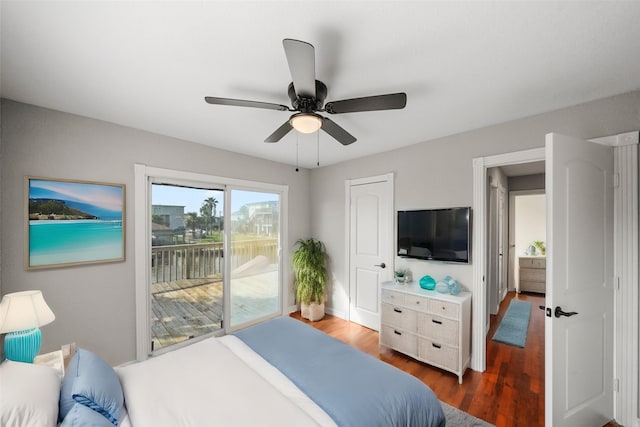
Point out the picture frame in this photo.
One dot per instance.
(73, 222)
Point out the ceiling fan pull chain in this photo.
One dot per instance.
(318, 148)
(297, 139)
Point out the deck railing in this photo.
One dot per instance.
(203, 260)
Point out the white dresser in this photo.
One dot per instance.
(532, 274)
(429, 326)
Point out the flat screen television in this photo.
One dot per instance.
(435, 234)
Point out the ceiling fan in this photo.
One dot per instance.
(307, 98)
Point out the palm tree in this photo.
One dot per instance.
(208, 212)
(192, 221)
(215, 213)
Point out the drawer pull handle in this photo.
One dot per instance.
(436, 345)
(437, 322)
(396, 332)
(397, 310)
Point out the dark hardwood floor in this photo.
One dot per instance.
(509, 393)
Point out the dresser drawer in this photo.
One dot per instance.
(540, 287)
(416, 302)
(533, 274)
(443, 308)
(438, 354)
(399, 317)
(532, 262)
(399, 340)
(392, 297)
(438, 329)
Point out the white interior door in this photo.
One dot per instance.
(492, 260)
(502, 223)
(370, 248)
(579, 344)
(512, 242)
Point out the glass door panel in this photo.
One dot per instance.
(186, 263)
(255, 260)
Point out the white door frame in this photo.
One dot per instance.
(348, 183)
(626, 255)
(142, 233)
(627, 299)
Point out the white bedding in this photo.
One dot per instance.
(218, 381)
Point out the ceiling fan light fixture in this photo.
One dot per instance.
(306, 122)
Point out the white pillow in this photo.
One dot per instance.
(29, 395)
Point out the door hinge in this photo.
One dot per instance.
(617, 285)
(616, 385)
(616, 180)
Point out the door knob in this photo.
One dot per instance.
(558, 312)
(381, 265)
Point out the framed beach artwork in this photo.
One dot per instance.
(73, 222)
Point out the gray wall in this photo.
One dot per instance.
(439, 173)
(1, 157)
(526, 182)
(94, 305)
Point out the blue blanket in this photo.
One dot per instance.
(354, 388)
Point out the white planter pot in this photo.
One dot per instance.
(313, 311)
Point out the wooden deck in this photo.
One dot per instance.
(185, 308)
(192, 307)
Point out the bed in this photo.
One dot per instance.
(278, 373)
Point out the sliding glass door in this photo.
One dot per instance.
(255, 259)
(187, 264)
(213, 259)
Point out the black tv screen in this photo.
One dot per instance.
(435, 234)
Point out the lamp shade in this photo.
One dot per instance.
(24, 310)
(306, 122)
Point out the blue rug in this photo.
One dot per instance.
(513, 328)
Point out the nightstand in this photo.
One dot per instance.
(58, 359)
(54, 360)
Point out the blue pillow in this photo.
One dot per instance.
(91, 382)
(82, 416)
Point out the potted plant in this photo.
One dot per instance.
(401, 275)
(539, 245)
(310, 277)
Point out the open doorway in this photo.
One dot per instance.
(515, 219)
(516, 234)
(527, 241)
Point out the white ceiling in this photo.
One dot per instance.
(463, 65)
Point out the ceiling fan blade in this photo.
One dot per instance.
(392, 101)
(337, 132)
(280, 132)
(301, 57)
(243, 103)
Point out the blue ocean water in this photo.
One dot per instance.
(60, 242)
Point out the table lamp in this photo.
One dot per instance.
(21, 315)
